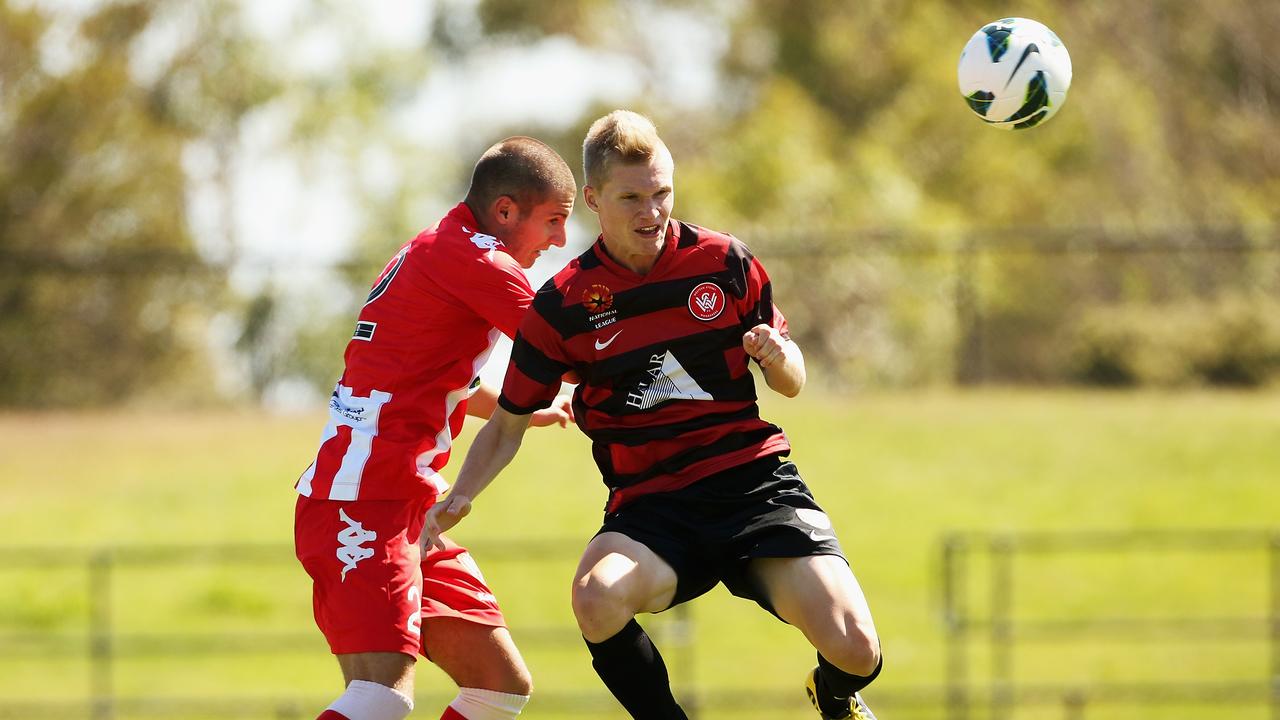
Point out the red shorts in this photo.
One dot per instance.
(371, 590)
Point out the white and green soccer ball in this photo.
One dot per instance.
(1014, 73)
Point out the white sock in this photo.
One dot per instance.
(477, 704)
(366, 700)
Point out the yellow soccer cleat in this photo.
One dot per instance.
(855, 710)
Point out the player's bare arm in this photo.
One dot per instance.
(494, 447)
(780, 359)
(485, 399)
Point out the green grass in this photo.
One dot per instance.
(895, 472)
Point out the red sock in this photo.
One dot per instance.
(332, 715)
(449, 714)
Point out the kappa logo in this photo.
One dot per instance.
(484, 242)
(706, 301)
(351, 539)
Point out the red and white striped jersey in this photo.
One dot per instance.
(429, 323)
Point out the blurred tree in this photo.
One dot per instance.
(116, 121)
(101, 294)
(849, 135)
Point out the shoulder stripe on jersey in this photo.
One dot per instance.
(688, 235)
(549, 304)
(762, 311)
(589, 260)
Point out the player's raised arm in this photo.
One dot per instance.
(494, 447)
(780, 359)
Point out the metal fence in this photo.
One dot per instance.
(983, 576)
(995, 604)
(104, 644)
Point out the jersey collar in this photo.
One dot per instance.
(665, 255)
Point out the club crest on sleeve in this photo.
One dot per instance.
(707, 301)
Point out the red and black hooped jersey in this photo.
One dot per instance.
(666, 395)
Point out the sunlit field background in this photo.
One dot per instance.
(1069, 329)
(896, 472)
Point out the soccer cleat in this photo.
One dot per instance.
(856, 709)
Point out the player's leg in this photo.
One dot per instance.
(820, 596)
(795, 568)
(493, 681)
(465, 635)
(379, 685)
(616, 579)
(366, 597)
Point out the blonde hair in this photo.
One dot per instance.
(621, 135)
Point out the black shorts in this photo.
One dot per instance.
(709, 531)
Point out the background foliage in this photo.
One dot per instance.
(912, 244)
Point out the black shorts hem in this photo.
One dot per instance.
(708, 532)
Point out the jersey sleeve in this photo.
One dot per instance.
(538, 358)
(491, 283)
(756, 306)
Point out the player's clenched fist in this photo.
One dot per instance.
(442, 516)
(765, 344)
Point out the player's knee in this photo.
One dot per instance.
(856, 652)
(514, 680)
(519, 683)
(599, 608)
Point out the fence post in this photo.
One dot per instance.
(953, 611)
(1073, 706)
(970, 361)
(1274, 684)
(1001, 626)
(101, 694)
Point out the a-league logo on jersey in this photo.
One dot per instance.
(707, 301)
(597, 299)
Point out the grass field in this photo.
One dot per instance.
(895, 472)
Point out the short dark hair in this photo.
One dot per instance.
(522, 168)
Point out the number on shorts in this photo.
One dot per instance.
(414, 624)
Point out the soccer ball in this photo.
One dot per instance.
(1014, 73)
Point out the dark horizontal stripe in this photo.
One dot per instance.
(676, 463)
(534, 363)
(636, 436)
(701, 354)
(697, 264)
(505, 403)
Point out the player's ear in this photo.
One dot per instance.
(504, 211)
(589, 195)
